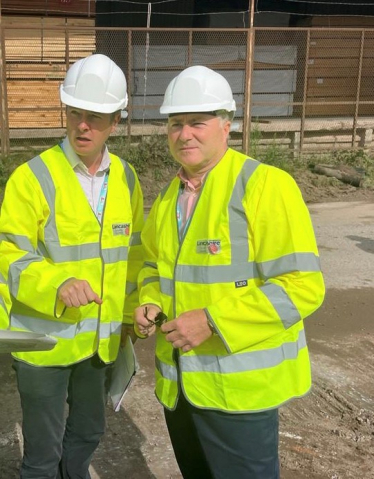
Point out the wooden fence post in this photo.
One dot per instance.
(4, 121)
(248, 83)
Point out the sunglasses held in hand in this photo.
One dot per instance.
(159, 319)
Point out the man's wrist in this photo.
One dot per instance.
(211, 325)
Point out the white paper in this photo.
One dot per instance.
(124, 370)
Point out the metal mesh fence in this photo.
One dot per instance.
(304, 90)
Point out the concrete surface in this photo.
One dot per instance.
(345, 237)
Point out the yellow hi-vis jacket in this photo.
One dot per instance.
(49, 234)
(5, 303)
(249, 258)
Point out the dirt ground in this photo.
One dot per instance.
(327, 434)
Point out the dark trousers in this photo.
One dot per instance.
(56, 446)
(211, 444)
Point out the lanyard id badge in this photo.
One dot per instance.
(102, 197)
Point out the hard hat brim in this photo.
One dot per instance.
(168, 109)
(90, 106)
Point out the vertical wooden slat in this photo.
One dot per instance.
(4, 123)
(189, 54)
(358, 88)
(248, 82)
(302, 125)
(129, 86)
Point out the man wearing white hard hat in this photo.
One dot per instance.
(70, 252)
(231, 270)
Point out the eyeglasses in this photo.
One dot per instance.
(160, 318)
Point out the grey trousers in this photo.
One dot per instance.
(56, 446)
(215, 445)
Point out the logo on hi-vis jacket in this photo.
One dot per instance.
(208, 246)
(121, 229)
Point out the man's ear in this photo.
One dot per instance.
(116, 120)
(226, 128)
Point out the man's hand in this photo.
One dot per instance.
(77, 292)
(188, 330)
(142, 317)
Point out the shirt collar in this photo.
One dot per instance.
(187, 183)
(76, 162)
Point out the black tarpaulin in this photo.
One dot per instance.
(317, 7)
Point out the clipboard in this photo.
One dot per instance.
(17, 341)
(124, 370)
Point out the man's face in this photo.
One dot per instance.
(88, 131)
(197, 140)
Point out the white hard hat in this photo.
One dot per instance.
(198, 89)
(95, 83)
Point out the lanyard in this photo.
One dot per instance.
(179, 220)
(102, 196)
(182, 228)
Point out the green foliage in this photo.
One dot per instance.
(273, 153)
(149, 151)
(279, 157)
(9, 164)
(355, 158)
(151, 158)
(254, 141)
(359, 159)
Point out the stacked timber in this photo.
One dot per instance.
(38, 51)
(340, 72)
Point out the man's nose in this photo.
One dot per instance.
(83, 124)
(185, 133)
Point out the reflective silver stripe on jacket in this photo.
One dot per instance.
(21, 241)
(166, 370)
(282, 303)
(16, 268)
(63, 330)
(250, 270)
(238, 222)
(135, 239)
(2, 304)
(151, 279)
(242, 362)
(235, 363)
(130, 177)
(52, 248)
(239, 269)
(289, 263)
(130, 287)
